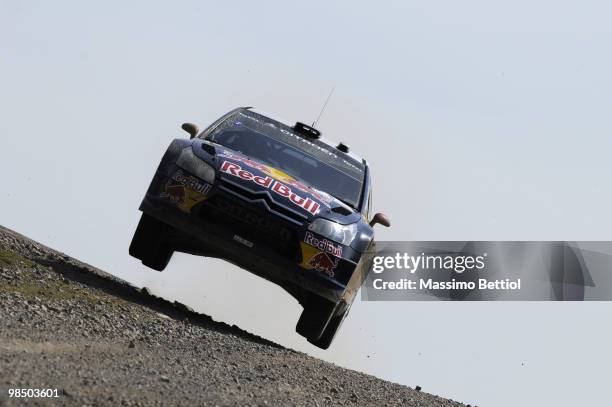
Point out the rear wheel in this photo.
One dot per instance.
(150, 243)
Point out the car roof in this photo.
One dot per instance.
(322, 139)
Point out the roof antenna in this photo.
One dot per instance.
(324, 104)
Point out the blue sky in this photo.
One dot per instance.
(481, 121)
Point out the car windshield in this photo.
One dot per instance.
(278, 145)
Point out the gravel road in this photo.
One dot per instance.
(100, 341)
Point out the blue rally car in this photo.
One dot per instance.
(273, 198)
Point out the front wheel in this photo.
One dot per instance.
(330, 331)
(150, 243)
(320, 321)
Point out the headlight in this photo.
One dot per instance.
(194, 165)
(343, 234)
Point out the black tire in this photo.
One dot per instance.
(150, 243)
(330, 331)
(317, 314)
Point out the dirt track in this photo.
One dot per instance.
(98, 340)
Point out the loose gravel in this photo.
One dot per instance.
(100, 341)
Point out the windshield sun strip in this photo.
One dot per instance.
(305, 153)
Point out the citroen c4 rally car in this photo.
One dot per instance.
(273, 198)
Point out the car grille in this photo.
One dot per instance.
(253, 224)
(264, 197)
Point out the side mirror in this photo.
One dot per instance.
(191, 128)
(382, 219)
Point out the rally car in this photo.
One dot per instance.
(272, 197)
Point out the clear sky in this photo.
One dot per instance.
(481, 120)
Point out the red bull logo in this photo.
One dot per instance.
(281, 176)
(191, 182)
(270, 183)
(322, 263)
(185, 190)
(323, 244)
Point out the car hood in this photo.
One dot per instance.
(262, 179)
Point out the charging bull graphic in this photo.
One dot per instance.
(322, 263)
(185, 191)
(176, 193)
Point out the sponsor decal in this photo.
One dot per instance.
(314, 258)
(191, 182)
(276, 186)
(176, 193)
(243, 241)
(185, 190)
(323, 244)
(280, 176)
(323, 263)
(300, 139)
